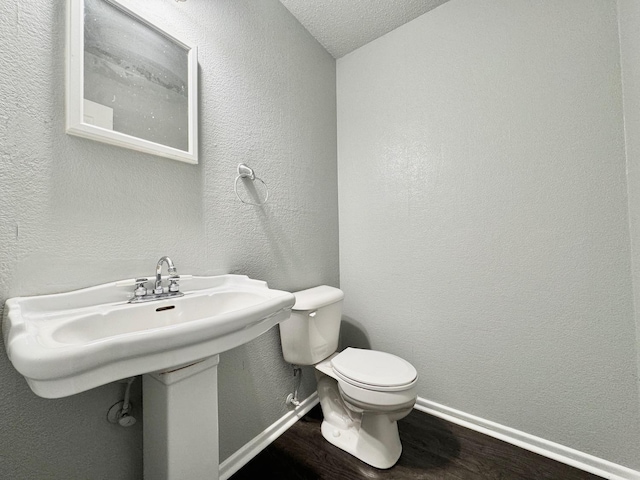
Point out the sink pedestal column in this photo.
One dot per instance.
(180, 409)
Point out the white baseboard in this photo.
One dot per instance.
(239, 459)
(546, 448)
(543, 447)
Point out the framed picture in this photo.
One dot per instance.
(130, 83)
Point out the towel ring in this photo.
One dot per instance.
(247, 172)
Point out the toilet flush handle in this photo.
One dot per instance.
(313, 314)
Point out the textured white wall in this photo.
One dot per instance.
(629, 25)
(483, 215)
(75, 213)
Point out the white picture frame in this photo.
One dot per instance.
(128, 82)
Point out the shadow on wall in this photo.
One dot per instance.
(279, 242)
(353, 334)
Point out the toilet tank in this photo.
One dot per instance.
(311, 333)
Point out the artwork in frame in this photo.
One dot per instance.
(130, 83)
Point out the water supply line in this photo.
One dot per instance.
(120, 411)
(292, 398)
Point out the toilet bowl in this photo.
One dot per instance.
(363, 393)
(361, 417)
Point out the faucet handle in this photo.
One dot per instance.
(173, 283)
(140, 290)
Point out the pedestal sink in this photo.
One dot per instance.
(70, 342)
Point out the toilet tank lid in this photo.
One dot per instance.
(316, 297)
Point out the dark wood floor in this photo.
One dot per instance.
(432, 449)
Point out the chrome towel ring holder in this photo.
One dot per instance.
(247, 172)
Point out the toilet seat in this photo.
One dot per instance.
(373, 370)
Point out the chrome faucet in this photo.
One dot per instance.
(173, 274)
(140, 293)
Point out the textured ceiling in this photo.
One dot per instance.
(341, 26)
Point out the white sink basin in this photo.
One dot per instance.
(67, 343)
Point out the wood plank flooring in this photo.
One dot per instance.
(432, 449)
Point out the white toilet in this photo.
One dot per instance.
(363, 393)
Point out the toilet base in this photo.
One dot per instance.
(374, 440)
